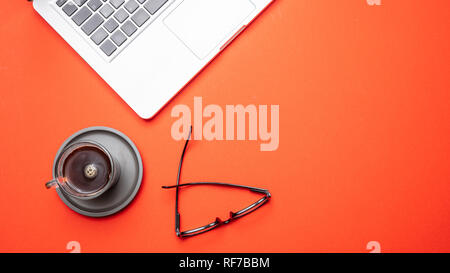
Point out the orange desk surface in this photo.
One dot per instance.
(364, 149)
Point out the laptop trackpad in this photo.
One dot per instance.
(203, 24)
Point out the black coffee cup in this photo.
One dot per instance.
(85, 170)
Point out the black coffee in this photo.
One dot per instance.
(87, 169)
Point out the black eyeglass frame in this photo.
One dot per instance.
(218, 222)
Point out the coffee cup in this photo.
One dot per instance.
(85, 170)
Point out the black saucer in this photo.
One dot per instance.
(121, 194)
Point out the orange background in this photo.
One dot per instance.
(364, 135)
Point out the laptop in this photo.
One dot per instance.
(148, 50)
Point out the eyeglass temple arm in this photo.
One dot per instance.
(177, 212)
(253, 189)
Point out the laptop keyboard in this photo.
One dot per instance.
(110, 23)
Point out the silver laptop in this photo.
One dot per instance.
(148, 50)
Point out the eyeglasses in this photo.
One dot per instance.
(218, 222)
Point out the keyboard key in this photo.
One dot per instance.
(80, 2)
(121, 15)
(141, 1)
(108, 47)
(60, 2)
(129, 28)
(153, 6)
(69, 8)
(111, 25)
(131, 6)
(92, 24)
(106, 11)
(116, 3)
(118, 38)
(99, 36)
(95, 4)
(140, 17)
(81, 16)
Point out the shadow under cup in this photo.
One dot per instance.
(85, 170)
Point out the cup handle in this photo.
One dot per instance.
(51, 183)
